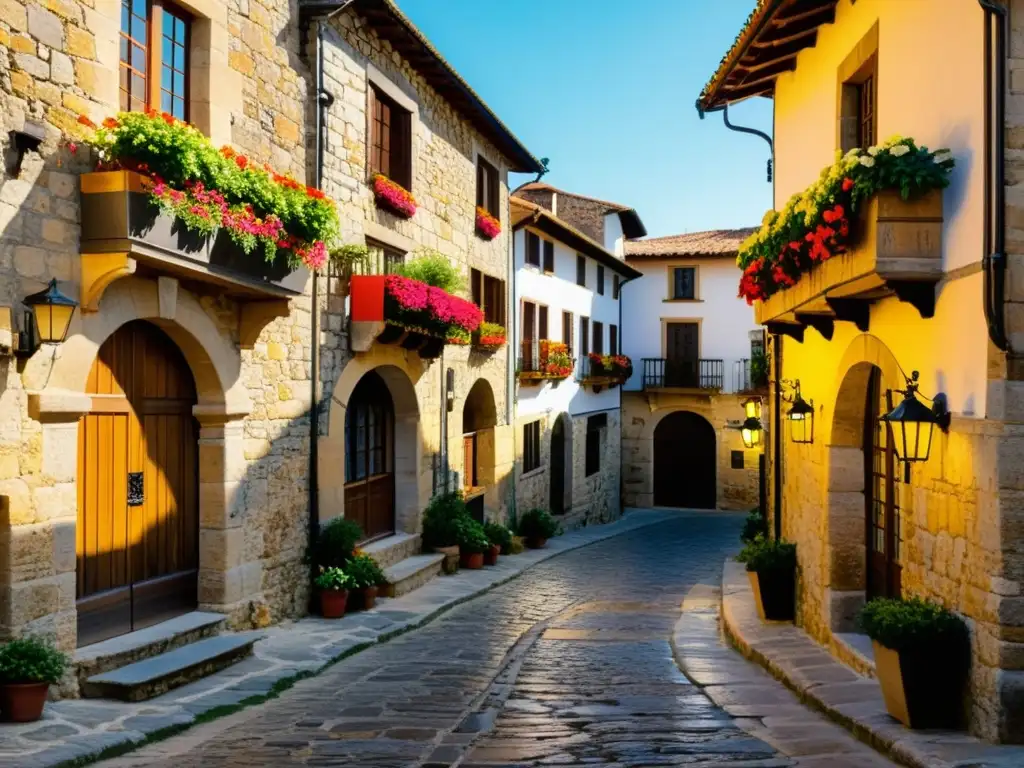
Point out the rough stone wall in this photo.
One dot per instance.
(736, 488)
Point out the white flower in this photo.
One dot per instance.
(867, 162)
(942, 156)
(873, 151)
(852, 153)
(899, 150)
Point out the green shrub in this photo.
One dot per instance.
(336, 542)
(30, 660)
(471, 536)
(763, 554)
(537, 524)
(755, 525)
(913, 623)
(364, 572)
(333, 578)
(433, 268)
(500, 535)
(441, 520)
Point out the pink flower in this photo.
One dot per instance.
(487, 226)
(394, 196)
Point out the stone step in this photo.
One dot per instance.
(145, 643)
(393, 549)
(152, 677)
(412, 573)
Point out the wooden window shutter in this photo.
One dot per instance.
(529, 316)
(493, 189)
(543, 321)
(613, 340)
(567, 329)
(549, 256)
(476, 279)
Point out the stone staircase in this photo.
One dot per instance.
(152, 661)
(405, 568)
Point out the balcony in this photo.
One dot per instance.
(598, 371)
(750, 375)
(702, 375)
(543, 360)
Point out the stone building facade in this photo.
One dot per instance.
(947, 529)
(251, 85)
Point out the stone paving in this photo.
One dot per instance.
(848, 698)
(76, 729)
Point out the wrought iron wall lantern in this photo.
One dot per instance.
(801, 418)
(45, 322)
(913, 424)
(750, 428)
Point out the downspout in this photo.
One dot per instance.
(510, 349)
(994, 256)
(724, 109)
(620, 351)
(777, 433)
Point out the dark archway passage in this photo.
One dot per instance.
(560, 438)
(370, 463)
(684, 462)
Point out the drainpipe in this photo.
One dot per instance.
(994, 256)
(777, 432)
(724, 109)
(510, 348)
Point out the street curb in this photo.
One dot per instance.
(134, 740)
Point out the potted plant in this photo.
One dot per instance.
(334, 585)
(473, 543)
(28, 667)
(771, 568)
(755, 525)
(537, 526)
(441, 527)
(501, 541)
(367, 577)
(922, 656)
(336, 542)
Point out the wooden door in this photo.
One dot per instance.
(882, 509)
(469, 471)
(369, 446)
(557, 489)
(684, 462)
(138, 501)
(682, 352)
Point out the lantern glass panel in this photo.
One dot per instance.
(52, 321)
(751, 437)
(752, 408)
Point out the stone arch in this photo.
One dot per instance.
(562, 430)
(479, 419)
(684, 460)
(846, 566)
(412, 487)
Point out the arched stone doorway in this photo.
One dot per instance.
(370, 458)
(561, 465)
(137, 536)
(684, 462)
(479, 417)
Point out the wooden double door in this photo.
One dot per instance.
(138, 501)
(684, 462)
(370, 458)
(682, 355)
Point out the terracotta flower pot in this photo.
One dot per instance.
(451, 558)
(333, 602)
(491, 555)
(23, 702)
(365, 598)
(536, 542)
(922, 688)
(472, 561)
(774, 593)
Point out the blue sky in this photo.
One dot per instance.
(605, 89)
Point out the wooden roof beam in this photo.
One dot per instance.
(768, 71)
(783, 36)
(823, 14)
(770, 55)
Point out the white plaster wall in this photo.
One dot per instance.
(560, 293)
(725, 320)
(614, 239)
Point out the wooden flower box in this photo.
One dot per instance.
(897, 251)
(123, 229)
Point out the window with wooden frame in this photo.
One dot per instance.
(154, 61)
(549, 256)
(593, 454)
(542, 322)
(384, 259)
(581, 270)
(682, 283)
(390, 139)
(487, 191)
(615, 286)
(532, 249)
(531, 446)
(598, 340)
(858, 94)
(567, 329)
(613, 339)
(600, 279)
(489, 295)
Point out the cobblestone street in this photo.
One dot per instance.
(570, 664)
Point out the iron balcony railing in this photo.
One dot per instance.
(749, 378)
(660, 372)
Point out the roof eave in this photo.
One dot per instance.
(550, 224)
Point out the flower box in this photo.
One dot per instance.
(489, 337)
(391, 309)
(119, 217)
(487, 226)
(393, 197)
(897, 249)
(544, 361)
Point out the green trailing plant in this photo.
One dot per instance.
(500, 535)
(537, 523)
(471, 537)
(441, 520)
(334, 579)
(906, 625)
(764, 554)
(759, 369)
(433, 268)
(755, 525)
(31, 660)
(336, 542)
(364, 572)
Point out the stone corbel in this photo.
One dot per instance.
(257, 315)
(99, 270)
